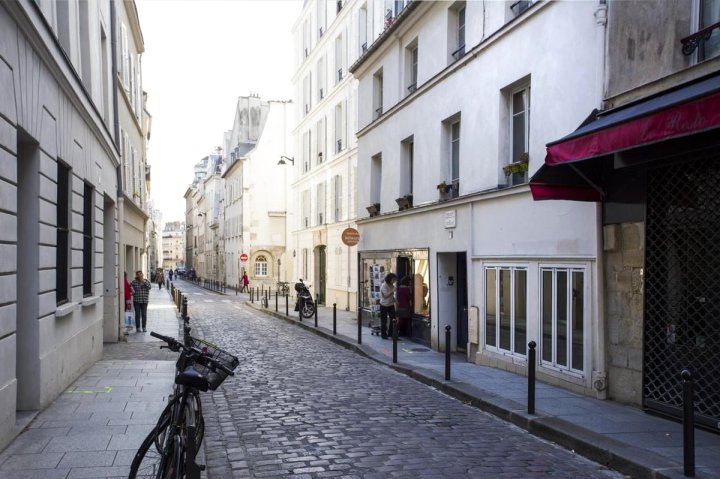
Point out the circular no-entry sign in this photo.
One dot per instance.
(243, 257)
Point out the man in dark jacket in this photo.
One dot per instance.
(141, 294)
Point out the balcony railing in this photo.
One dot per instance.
(691, 42)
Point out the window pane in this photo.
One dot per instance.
(518, 136)
(455, 151)
(421, 290)
(490, 309)
(547, 319)
(710, 16)
(578, 301)
(520, 311)
(562, 319)
(505, 308)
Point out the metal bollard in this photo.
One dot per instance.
(184, 307)
(316, 314)
(334, 319)
(300, 308)
(688, 423)
(359, 323)
(447, 352)
(394, 338)
(531, 377)
(276, 301)
(287, 306)
(252, 295)
(236, 288)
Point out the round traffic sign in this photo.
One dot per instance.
(243, 257)
(350, 236)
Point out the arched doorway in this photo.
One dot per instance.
(320, 274)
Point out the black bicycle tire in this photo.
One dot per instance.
(141, 454)
(179, 455)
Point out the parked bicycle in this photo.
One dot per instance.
(283, 287)
(170, 449)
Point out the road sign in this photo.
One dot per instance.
(243, 257)
(350, 236)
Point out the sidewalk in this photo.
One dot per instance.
(94, 428)
(621, 437)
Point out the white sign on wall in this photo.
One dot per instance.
(450, 219)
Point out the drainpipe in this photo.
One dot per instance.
(599, 370)
(118, 172)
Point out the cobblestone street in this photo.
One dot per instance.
(300, 406)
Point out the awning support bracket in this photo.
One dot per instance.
(588, 180)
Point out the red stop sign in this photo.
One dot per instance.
(243, 257)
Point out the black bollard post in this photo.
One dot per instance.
(300, 308)
(276, 301)
(316, 314)
(688, 423)
(184, 308)
(394, 338)
(252, 295)
(236, 288)
(447, 352)
(287, 306)
(359, 323)
(334, 319)
(531, 377)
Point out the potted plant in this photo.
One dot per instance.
(517, 172)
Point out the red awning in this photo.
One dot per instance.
(683, 111)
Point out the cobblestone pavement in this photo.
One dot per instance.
(303, 407)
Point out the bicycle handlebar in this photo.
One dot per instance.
(176, 345)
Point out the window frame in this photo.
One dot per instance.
(552, 363)
(88, 238)
(526, 91)
(513, 268)
(63, 222)
(261, 263)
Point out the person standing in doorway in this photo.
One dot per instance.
(403, 310)
(387, 305)
(245, 282)
(141, 293)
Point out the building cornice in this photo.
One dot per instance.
(134, 19)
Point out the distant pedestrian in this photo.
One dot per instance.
(159, 278)
(387, 305)
(141, 293)
(245, 283)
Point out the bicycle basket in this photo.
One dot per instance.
(214, 375)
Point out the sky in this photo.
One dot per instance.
(200, 56)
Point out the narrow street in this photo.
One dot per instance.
(301, 406)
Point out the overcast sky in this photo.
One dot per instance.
(200, 55)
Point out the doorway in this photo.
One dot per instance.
(452, 300)
(320, 274)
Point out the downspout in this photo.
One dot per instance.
(599, 380)
(118, 172)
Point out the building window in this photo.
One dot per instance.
(506, 309)
(563, 317)
(321, 74)
(307, 151)
(376, 179)
(457, 30)
(337, 198)
(320, 137)
(306, 38)
(307, 93)
(710, 15)
(519, 136)
(305, 262)
(362, 29)
(87, 252)
(338, 59)
(339, 128)
(411, 67)
(407, 166)
(320, 197)
(321, 17)
(378, 94)
(261, 266)
(305, 204)
(63, 233)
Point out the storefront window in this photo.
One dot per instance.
(412, 264)
(420, 285)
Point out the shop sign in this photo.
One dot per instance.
(350, 237)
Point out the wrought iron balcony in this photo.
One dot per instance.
(691, 42)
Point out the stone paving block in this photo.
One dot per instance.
(87, 459)
(45, 460)
(98, 472)
(35, 474)
(85, 442)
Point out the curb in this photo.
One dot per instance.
(632, 461)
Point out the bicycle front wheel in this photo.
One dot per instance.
(149, 462)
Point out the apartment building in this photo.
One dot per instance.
(456, 101)
(173, 245)
(329, 36)
(61, 216)
(650, 158)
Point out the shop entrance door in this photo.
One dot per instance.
(462, 302)
(682, 288)
(320, 274)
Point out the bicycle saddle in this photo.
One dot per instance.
(191, 377)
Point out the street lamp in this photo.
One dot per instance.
(283, 158)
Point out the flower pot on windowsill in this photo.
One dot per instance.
(373, 209)
(404, 202)
(516, 173)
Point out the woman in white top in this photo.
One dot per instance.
(387, 305)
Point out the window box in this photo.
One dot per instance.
(374, 209)
(516, 172)
(404, 202)
(446, 190)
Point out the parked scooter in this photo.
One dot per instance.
(304, 303)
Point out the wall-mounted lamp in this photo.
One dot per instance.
(201, 214)
(283, 158)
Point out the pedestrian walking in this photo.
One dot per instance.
(141, 293)
(159, 278)
(245, 283)
(129, 320)
(387, 305)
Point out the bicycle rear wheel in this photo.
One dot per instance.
(149, 462)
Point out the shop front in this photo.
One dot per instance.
(412, 269)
